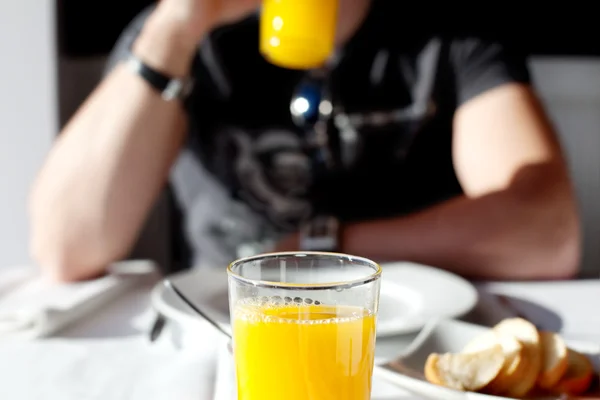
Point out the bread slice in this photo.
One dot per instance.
(578, 377)
(514, 363)
(527, 334)
(465, 371)
(554, 360)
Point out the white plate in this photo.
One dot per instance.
(414, 294)
(205, 287)
(445, 336)
(411, 295)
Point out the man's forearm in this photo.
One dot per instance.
(108, 165)
(523, 232)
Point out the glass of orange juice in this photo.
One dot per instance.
(304, 325)
(298, 34)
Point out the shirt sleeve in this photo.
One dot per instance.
(481, 65)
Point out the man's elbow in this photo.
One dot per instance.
(564, 254)
(68, 263)
(549, 210)
(561, 242)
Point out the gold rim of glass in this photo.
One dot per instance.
(306, 286)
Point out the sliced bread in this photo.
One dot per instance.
(554, 359)
(578, 376)
(514, 363)
(465, 371)
(527, 334)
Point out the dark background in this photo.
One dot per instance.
(91, 28)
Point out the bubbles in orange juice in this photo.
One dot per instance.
(295, 310)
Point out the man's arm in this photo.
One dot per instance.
(107, 167)
(517, 219)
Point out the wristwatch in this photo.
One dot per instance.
(169, 88)
(321, 233)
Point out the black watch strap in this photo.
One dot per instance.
(169, 88)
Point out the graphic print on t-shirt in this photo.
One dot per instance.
(273, 174)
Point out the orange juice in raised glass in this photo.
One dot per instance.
(298, 34)
(298, 351)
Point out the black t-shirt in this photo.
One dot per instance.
(248, 175)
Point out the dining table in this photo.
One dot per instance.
(109, 355)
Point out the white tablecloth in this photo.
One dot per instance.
(107, 356)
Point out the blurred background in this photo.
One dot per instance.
(53, 53)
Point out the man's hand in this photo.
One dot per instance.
(289, 243)
(196, 17)
(171, 35)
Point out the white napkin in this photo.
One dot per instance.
(32, 306)
(128, 368)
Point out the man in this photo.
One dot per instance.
(440, 152)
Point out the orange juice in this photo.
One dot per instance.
(298, 34)
(303, 352)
